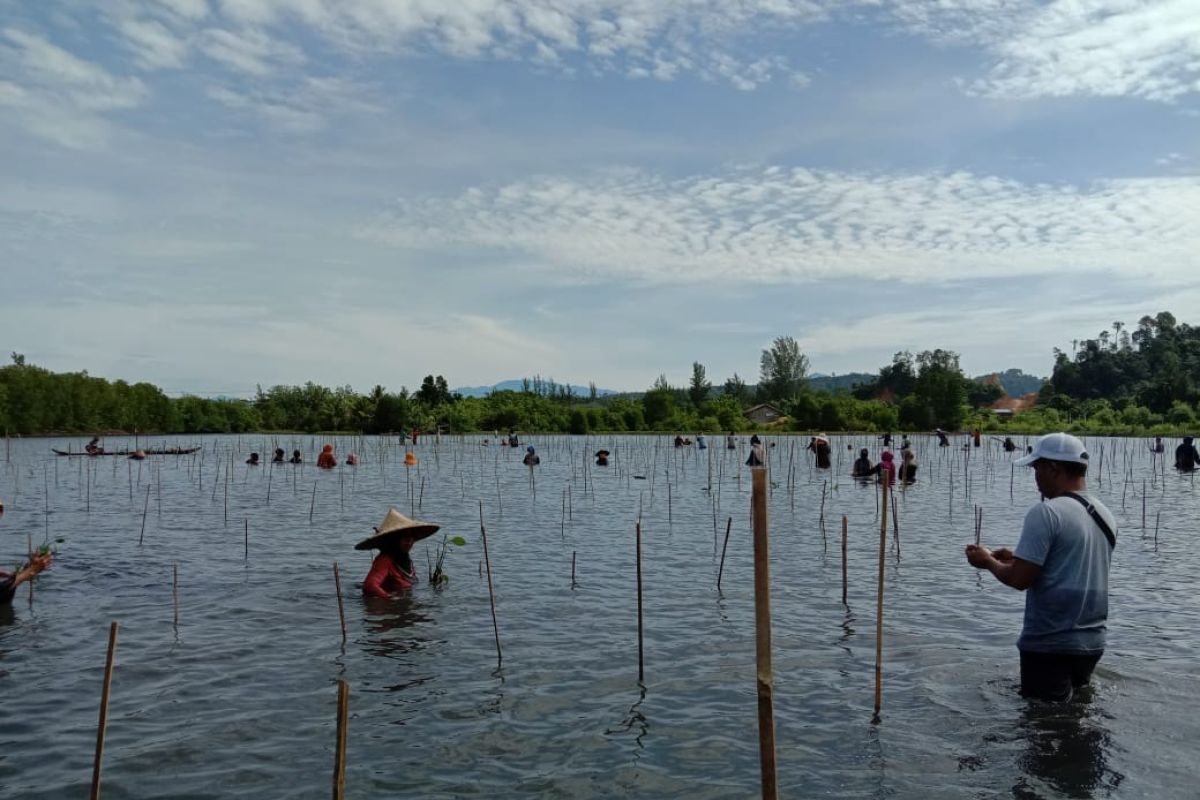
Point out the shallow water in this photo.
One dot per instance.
(239, 700)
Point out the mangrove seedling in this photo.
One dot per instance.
(437, 575)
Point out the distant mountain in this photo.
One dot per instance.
(517, 385)
(1014, 382)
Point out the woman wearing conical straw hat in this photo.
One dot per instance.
(392, 570)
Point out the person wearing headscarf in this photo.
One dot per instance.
(942, 440)
(887, 463)
(392, 570)
(327, 460)
(602, 458)
(352, 460)
(296, 457)
(531, 458)
(863, 468)
(279, 456)
(908, 465)
(253, 460)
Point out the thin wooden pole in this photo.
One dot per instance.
(845, 537)
(246, 539)
(491, 591)
(145, 510)
(108, 671)
(885, 478)
(724, 547)
(339, 758)
(175, 590)
(762, 626)
(641, 660)
(313, 504)
(337, 585)
(572, 569)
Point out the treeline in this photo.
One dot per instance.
(1144, 380)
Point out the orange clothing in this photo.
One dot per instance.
(326, 459)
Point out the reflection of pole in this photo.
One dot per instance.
(885, 477)
(762, 626)
(108, 671)
(491, 592)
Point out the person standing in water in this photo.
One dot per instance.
(1061, 563)
(392, 570)
(1186, 456)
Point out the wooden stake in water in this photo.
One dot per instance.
(313, 503)
(572, 569)
(641, 660)
(339, 757)
(145, 510)
(491, 592)
(175, 590)
(337, 585)
(724, 547)
(885, 478)
(762, 629)
(845, 536)
(103, 726)
(246, 540)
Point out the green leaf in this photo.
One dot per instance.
(458, 540)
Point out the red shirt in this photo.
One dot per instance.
(326, 461)
(386, 578)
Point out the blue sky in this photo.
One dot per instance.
(210, 194)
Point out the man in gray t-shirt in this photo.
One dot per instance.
(1061, 562)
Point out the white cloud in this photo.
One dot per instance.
(59, 96)
(304, 107)
(153, 44)
(795, 225)
(248, 50)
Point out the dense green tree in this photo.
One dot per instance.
(782, 370)
(700, 385)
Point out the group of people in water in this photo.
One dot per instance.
(326, 460)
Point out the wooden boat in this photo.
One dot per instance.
(170, 451)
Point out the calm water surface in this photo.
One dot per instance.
(239, 700)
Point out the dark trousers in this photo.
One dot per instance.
(1055, 676)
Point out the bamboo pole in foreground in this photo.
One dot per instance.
(845, 536)
(885, 485)
(339, 758)
(108, 671)
(491, 591)
(762, 626)
(641, 660)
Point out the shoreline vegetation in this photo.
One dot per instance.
(1128, 382)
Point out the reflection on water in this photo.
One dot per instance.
(1068, 747)
(390, 625)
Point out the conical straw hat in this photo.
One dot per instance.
(395, 524)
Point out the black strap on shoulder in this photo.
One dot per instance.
(1094, 514)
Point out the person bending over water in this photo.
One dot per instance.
(392, 570)
(1061, 563)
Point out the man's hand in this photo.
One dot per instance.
(1003, 555)
(980, 557)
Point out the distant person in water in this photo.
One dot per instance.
(93, 447)
(602, 458)
(327, 460)
(9, 581)
(757, 456)
(138, 455)
(908, 465)
(820, 447)
(1186, 456)
(392, 570)
(942, 440)
(863, 468)
(296, 457)
(352, 460)
(887, 439)
(279, 456)
(904, 443)
(731, 441)
(1158, 446)
(513, 441)
(977, 437)
(887, 463)
(700, 443)
(253, 460)
(755, 440)
(1009, 444)
(678, 440)
(416, 432)
(531, 458)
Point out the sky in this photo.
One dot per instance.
(214, 194)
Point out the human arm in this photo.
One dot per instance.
(1008, 569)
(373, 584)
(10, 582)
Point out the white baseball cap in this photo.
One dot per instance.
(1056, 447)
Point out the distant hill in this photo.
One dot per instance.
(517, 385)
(836, 383)
(1014, 382)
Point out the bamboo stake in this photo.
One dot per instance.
(313, 503)
(145, 510)
(879, 603)
(246, 539)
(762, 626)
(103, 725)
(491, 592)
(339, 758)
(724, 547)
(337, 585)
(845, 536)
(641, 661)
(572, 569)
(175, 591)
